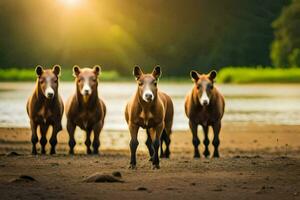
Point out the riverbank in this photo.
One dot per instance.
(257, 162)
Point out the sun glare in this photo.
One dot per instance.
(71, 3)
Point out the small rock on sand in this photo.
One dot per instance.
(102, 178)
(23, 178)
(54, 164)
(171, 188)
(141, 188)
(217, 190)
(117, 174)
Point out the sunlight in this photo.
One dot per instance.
(71, 3)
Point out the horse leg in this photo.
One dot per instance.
(88, 141)
(43, 140)
(149, 145)
(206, 152)
(71, 130)
(196, 141)
(216, 140)
(155, 134)
(96, 142)
(53, 139)
(167, 142)
(34, 137)
(162, 140)
(133, 129)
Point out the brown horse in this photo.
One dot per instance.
(151, 110)
(45, 107)
(85, 109)
(205, 106)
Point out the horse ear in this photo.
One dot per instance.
(76, 70)
(156, 72)
(212, 75)
(194, 75)
(56, 70)
(137, 72)
(97, 69)
(39, 70)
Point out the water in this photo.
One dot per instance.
(269, 104)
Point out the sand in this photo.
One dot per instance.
(257, 162)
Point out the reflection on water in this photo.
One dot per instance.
(272, 104)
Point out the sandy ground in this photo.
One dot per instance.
(257, 162)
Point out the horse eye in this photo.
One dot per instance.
(155, 84)
(42, 80)
(198, 87)
(140, 83)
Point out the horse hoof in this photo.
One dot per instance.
(216, 155)
(167, 155)
(95, 152)
(156, 167)
(197, 156)
(33, 151)
(206, 154)
(131, 166)
(52, 152)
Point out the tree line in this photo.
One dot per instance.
(178, 35)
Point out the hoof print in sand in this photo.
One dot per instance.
(102, 178)
(23, 179)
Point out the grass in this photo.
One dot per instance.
(225, 75)
(258, 75)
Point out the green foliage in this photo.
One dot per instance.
(14, 74)
(287, 38)
(258, 75)
(294, 58)
(118, 34)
